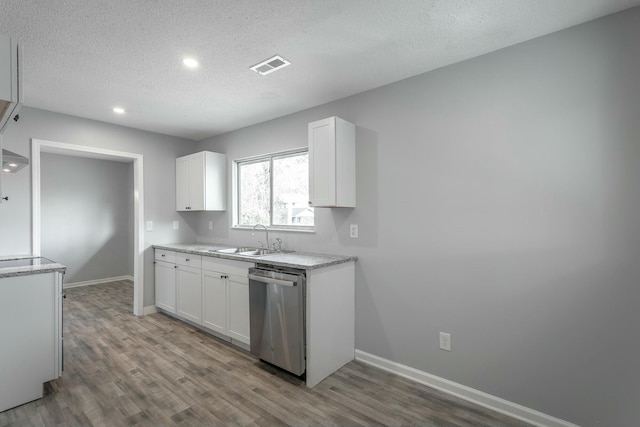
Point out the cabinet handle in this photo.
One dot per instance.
(162, 255)
(187, 259)
(175, 266)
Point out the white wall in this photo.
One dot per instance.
(87, 216)
(497, 201)
(159, 154)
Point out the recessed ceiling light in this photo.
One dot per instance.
(6, 170)
(270, 65)
(190, 63)
(118, 110)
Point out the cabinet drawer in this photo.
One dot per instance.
(189, 260)
(237, 268)
(166, 256)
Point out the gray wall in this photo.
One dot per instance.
(497, 201)
(87, 216)
(159, 154)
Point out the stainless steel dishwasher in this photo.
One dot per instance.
(276, 305)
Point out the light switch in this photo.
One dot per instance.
(176, 225)
(210, 225)
(149, 225)
(445, 341)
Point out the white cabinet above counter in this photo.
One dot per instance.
(332, 163)
(201, 180)
(10, 81)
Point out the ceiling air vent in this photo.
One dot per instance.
(270, 65)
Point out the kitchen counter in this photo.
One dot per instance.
(302, 260)
(30, 327)
(11, 266)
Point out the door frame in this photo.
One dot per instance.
(43, 146)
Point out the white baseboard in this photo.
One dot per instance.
(97, 282)
(150, 309)
(469, 394)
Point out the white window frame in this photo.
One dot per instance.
(236, 192)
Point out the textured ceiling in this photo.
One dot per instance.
(83, 57)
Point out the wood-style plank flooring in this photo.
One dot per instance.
(156, 371)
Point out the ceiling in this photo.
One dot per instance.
(84, 57)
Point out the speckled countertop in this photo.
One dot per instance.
(38, 265)
(302, 260)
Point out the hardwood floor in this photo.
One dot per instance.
(156, 371)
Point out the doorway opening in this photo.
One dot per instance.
(42, 146)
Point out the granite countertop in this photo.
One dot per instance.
(302, 260)
(21, 265)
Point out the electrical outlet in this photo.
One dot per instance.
(353, 231)
(176, 225)
(149, 225)
(210, 225)
(445, 341)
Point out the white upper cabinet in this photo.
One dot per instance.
(201, 182)
(10, 81)
(332, 163)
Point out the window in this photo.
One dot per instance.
(273, 190)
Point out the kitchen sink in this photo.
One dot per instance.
(247, 251)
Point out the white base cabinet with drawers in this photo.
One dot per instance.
(165, 272)
(206, 291)
(225, 297)
(189, 287)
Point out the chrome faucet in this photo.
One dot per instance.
(277, 245)
(266, 230)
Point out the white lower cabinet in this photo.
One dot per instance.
(225, 297)
(189, 287)
(189, 293)
(211, 292)
(214, 301)
(238, 308)
(165, 280)
(31, 332)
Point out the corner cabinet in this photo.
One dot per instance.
(332, 163)
(201, 182)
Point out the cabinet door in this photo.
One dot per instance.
(238, 308)
(322, 162)
(196, 182)
(214, 301)
(182, 183)
(189, 293)
(166, 286)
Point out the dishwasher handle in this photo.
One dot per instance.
(267, 280)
